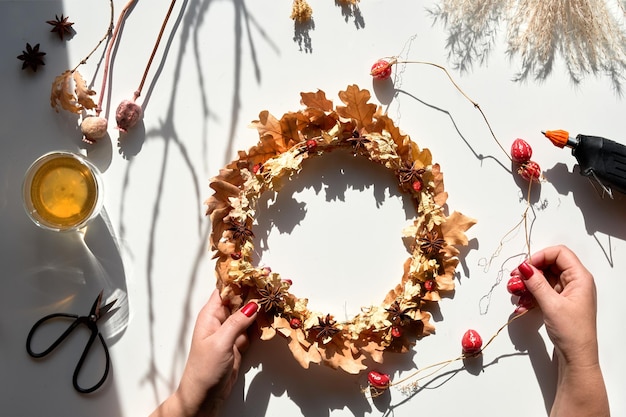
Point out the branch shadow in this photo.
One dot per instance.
(189, 21)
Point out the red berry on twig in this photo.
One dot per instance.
(530, 171)
(378, 380)
(381, 70)
(516, 286)
(417, 186)
(471, 342)
(521, 151)
(396, 331)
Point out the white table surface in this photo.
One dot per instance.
(220, 63)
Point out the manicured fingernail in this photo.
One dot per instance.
(526, 270)
(250, 308)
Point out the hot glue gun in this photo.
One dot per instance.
(601, 159)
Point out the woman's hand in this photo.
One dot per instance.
(565, 292)
(214, 360)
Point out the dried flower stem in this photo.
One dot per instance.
(107, 60)
(394, 60)
(154, 49)
(105, 37)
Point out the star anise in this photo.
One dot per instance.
(32, 57)
(399, 315)
(430, 243)
(61, 26)
(271, 298)
(358, 142)
(241, 232)
(325, 330)
(408, 174)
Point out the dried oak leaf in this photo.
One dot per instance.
(270, 132)
(304, 355)
(454, 228)
(71, 96)
(83, 92)
(290, 126)
(356, 106)
(317, 100)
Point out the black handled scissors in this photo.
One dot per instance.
(97, 311)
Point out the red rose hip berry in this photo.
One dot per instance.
(311, 144)
(378, 380)
(521, 151)
(471, 342)
(381, 70)
(530, 171)
(396, 332)
(516, 286)
(295, 323)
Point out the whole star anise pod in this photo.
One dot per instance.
(358, 142)
(241, 232)
(61, 26)
(399, 315)
(271, 298)
(430, 243)
(408, 174)
(32, 57)
(325, 330)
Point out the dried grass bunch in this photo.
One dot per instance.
(431, 238)
(589, 34)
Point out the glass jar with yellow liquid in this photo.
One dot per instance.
(62, 191)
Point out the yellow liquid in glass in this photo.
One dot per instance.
(64, 192)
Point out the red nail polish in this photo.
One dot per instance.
(526, 270)
(249, 309)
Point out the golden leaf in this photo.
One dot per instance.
(455, 226)
(304, 355)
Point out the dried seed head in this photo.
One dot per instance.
(127, 115)
(93, 128)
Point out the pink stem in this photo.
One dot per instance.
(107, 60)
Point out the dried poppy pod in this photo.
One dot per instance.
(93, 128)
(127, 115)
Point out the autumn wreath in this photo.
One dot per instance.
(284, 144)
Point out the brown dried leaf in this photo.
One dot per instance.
(337, 354)
(316, 100)
(268, 127)
(356, 106)
(83, 93)
(62, 94)
(304, 355)
(455, 226)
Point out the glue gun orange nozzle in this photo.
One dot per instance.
(557, 137)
